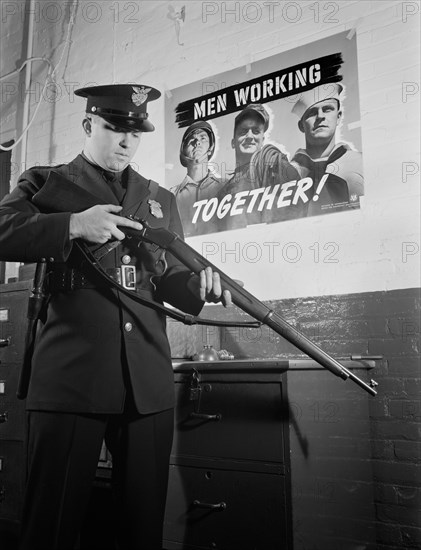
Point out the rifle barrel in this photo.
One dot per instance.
(250, 304)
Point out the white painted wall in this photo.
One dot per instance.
(374, 248)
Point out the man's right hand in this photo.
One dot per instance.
(99, 224)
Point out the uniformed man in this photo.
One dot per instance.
(101, 366)
(256, 165)
(335, 165)
(200, 183)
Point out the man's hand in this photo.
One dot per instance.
(207, 287)
(99, 224)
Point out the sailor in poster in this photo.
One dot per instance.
(334, 166)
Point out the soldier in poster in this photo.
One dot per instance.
(200, 183)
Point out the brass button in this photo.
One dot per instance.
(128, 327)
(126, 259)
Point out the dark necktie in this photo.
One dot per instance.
(114, 184)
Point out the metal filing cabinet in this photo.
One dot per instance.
(229, 473)
(13, 306)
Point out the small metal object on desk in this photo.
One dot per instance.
(208, 353)
(225, 355)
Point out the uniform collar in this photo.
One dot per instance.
(107, 174)
(340, 145)
(189, 181)
(186, 182)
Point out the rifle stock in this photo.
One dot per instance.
(58, 194)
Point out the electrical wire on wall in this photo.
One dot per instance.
(50, 78)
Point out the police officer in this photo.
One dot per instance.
(101, 366)
(200, 183)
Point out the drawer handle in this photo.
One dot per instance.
(3, 417)
(216, 417)
(4, 342)
(2, 494)
(209, 506)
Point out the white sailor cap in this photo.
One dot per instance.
(316, 95)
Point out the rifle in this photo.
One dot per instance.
(58, 195)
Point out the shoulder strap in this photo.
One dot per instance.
(153, 188)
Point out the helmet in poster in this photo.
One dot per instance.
(198, 125)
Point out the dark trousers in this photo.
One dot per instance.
(63, 451)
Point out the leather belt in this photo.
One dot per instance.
(73, 279)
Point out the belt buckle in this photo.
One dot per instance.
(128, 277)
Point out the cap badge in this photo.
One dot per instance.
(140, 95)
(155, 209)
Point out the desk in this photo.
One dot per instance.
(269, 455)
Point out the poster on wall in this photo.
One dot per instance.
(277, 140)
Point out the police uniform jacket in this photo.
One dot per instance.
(94, 345)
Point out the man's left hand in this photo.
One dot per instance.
(207, 287)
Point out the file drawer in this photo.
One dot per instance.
(224, 509)
(233, 420)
